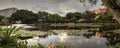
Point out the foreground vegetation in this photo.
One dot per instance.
(9, 39)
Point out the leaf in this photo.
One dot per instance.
(17, 29)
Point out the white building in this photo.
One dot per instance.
(8, 11)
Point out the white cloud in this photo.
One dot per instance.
(52, 6)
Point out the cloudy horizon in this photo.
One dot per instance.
(60, 7)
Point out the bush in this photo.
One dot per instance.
(7, 38)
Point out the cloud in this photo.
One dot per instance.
(66, 9)
(40, 8)
(12, 0)
(57, 1)
(50, 1)
(37, 8)
(52, 6)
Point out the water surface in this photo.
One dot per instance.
(71, 41)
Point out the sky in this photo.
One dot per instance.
(60, 7)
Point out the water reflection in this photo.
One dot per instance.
(71, 41)
(113, 39)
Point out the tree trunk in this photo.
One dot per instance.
(116, 14)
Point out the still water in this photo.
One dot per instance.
(71, 41)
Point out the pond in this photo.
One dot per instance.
(71, 41)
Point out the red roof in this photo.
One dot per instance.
(100, 10)
(103, 10)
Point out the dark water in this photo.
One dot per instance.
(71, 41)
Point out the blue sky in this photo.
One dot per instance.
(52, 6)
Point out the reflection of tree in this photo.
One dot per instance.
(113, 40)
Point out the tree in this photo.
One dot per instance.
(42, 14)
(55, 17)
(112, 5)
(74, 16)
(24, 16)
(89, 16)
(106, 18)
(5, 21)
(1, 18)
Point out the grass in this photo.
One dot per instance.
(118, 45)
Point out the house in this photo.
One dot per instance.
(100, 10)
(8, 12)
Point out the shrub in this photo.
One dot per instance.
(7, 38)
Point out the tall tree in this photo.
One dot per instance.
(24, 16)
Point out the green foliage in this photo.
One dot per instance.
(24, 16)
(5, 21)
(118, 44)
(107, 27)
(42, 14)
(106, 19)
(55, 17)
(89, 16)
(61, 46)
(1, 18)
(7, 38)
(113, 4)
(74, 16)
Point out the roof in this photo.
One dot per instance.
(103, 9)
(100, 10)
(8, 9)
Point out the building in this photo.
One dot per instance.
(8, 11)
(100, 10)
